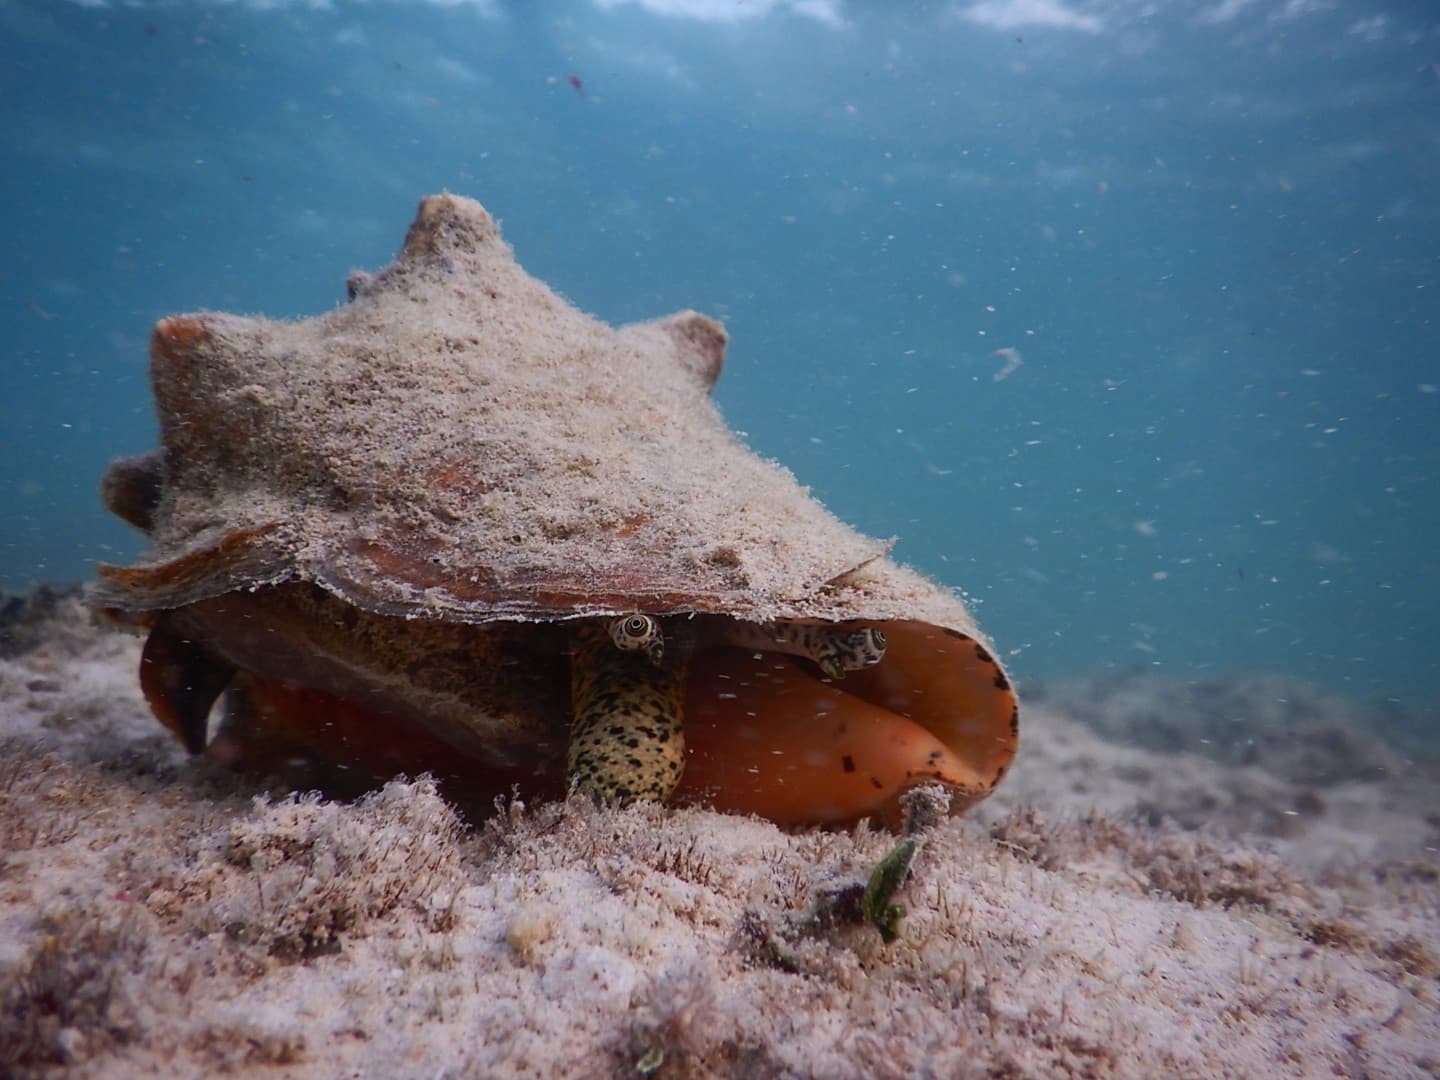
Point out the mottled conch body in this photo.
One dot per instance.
(378, 532)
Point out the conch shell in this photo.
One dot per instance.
(375, 527)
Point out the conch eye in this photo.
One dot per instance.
(637, 626)
(878, 637)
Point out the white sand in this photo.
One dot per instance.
(157, 918)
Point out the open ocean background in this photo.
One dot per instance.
(1210, 230)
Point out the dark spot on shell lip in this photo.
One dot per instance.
(848, 763)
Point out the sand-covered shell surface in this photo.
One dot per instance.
(458, 526)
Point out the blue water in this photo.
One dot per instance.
(1211, 230)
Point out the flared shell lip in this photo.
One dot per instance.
(249, 559)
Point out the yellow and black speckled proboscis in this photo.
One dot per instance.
(627, 728)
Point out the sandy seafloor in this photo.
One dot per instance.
(1179, 879)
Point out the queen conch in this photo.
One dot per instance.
(458, 526)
